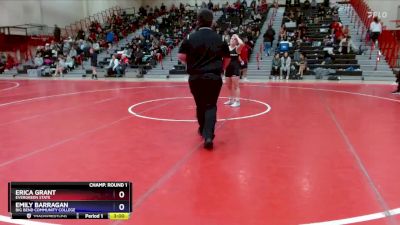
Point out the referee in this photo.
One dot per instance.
(206, 56)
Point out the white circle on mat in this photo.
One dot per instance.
(131, 110)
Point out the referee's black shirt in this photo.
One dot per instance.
(204, 51)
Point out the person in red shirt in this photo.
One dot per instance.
(337, 29)
(244, 59)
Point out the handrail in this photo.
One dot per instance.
(84, 24)
(388, 42)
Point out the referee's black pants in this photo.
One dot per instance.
(205, 90)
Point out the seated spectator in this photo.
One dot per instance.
(302, 65)
(321, 12)
(276, 65)
(328, 58)
(313, 4)
(397, 91)
(2, 66)
(110, 37)
(328, 40)
(346, 45)
(226, 37)
(122, 65)
(283, 33)
(69, 63)
(38, 61)
(138, 56)
(285, 65)
(112, 67)
(60, 66)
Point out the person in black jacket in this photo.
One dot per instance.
(206, 57)
(57, 33)
(268, 40)
(93, 62)
(398, 83)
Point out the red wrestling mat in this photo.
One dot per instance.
(294, 153)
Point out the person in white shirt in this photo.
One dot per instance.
(112, 67)
(38, 60)
(375, 28)
(285, 65)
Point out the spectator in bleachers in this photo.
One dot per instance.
(112, 67)
(283, 33)
(2, 67)
(269, 37)
(338, 29)
(328, 40)
(285, 65)
(375, 29)
(397, 91)
(253, 5)
(306, 4)
(346, 45)
(276, 64)
(60, 66)
(80, 35)
(210, 5)
(69, 63)
(302, 65)
(38, 61)
(257, 17)
(93, 62)
(328, 58)
(313, 4)
(163, 8)
(57, 33)
(72, 52)
(110, 37)
(321, 12)
(226, 37)
(123, 64)
(138, 56)
(244, 59)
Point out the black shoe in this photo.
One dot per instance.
(396, 92)
(208, 144)
(95, 76)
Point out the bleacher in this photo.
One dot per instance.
(314, 49)
(231, 21)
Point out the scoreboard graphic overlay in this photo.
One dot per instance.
(70, 200)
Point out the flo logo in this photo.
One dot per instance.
(378, 14)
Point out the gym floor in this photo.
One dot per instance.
(293, 153)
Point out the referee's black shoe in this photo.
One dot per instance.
(208, 144)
